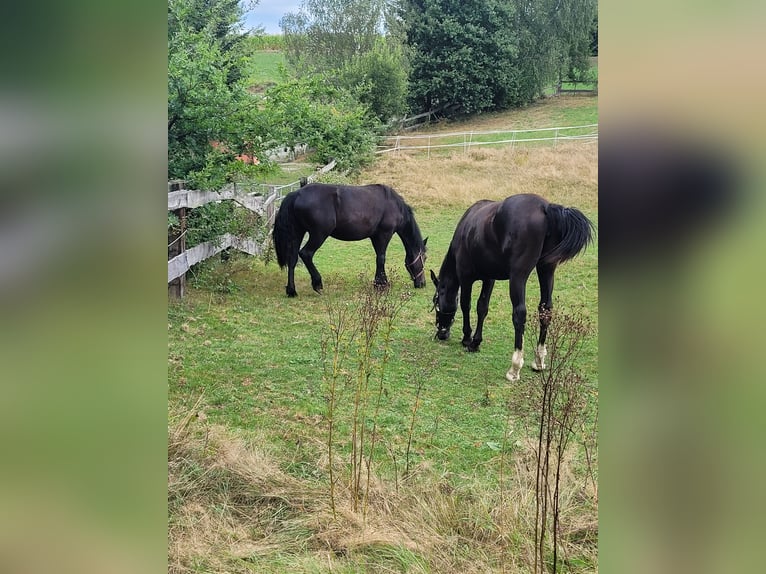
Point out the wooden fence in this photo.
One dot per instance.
(467, 140)
(262, 199)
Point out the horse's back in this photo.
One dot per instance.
(347, 212)
(493, 238)
(522, 214)
(474, 248)
(314, 206)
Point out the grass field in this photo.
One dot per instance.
(265, 69)
(248, 397)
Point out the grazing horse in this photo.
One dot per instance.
(505, 240)
(348, 213)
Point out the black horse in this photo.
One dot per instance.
(348, 213)
(505, 240)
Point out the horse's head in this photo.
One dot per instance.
(445, 310)
(417, 267)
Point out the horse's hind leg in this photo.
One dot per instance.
(290, 287)
(518, 285)
(292, 261)
(544, 310)
(307, 256)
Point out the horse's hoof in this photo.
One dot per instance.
(290, 292)
(537, 368)
(470, 346)
(517, 362)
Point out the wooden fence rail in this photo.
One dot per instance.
(265, 204)
(468, 140)
(181, 263)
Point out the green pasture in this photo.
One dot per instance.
(255, 356)
(247, 361)
(265, 68)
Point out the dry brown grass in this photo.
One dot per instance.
(566, 174)
(233, 510)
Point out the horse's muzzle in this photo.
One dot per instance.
(442, 334)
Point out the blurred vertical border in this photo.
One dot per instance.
(681, 211)
(82, 336)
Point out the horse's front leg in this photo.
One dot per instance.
(380, 244)
(482, 308)
(518, 292)
(465, 308)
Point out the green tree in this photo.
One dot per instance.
(327, 34)
(357, 44)
(221, 20)
(594, 36)
(480, 55)
(207, 100)
(379, 79)
(462, 54)
(554, 41)
(574, 23)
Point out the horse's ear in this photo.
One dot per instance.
(434, 279)
(424, 244)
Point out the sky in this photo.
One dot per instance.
(267, 13)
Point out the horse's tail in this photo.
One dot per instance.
(572, 227)
(285, 234)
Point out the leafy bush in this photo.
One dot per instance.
(379, 78)
(209, 222)
(221, 167)
(329, 120)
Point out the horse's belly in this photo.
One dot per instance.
(349, 234)
(482, 267)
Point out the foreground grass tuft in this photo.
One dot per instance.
(234, 510)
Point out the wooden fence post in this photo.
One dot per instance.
(177, 244)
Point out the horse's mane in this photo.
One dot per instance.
(408, 216)
(391, 193)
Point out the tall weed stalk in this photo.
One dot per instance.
(359, 331)
(341, 332)
(558, 400)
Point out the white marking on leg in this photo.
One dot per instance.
(540, 353)
(517, 361)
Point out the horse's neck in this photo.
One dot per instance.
(409, 239)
